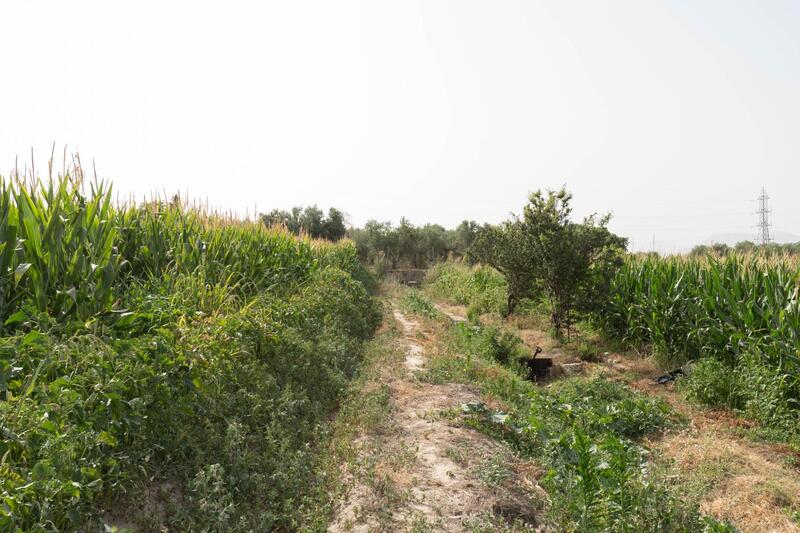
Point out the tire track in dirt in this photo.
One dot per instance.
(441, 477)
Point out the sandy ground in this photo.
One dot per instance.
(445, 477)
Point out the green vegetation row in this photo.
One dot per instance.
(585, 431)
(747, 247)
(309, 221)
(740, 316)
(385, 246)
(162, 367)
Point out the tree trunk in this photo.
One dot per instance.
(511, 303)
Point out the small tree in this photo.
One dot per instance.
(333, 227)
(573, 262)
(504, 247)
(464, 236)
(701, 250)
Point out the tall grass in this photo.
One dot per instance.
(481, 288)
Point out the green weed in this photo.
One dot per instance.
(415, 302)
(586, 432)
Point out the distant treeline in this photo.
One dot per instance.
(722, 249)
(310, 221)
(384, 245)
(380, 244)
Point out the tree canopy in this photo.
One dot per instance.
(545, 253)
(310, 221)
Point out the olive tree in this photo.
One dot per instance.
(504, 247)
(310, 221)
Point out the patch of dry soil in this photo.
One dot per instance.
(445, 472)
(456, 313)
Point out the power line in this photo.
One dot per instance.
(616, 216)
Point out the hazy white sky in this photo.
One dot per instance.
(672, 115)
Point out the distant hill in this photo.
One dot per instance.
(780, 237)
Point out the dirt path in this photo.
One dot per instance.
(453, 312)
(437, 474)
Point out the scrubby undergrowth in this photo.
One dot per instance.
(735, 320)
(586, 432)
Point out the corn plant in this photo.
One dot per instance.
(712, 307)
(58, 252)
(153, 338)
(160, 237)
(742, 311)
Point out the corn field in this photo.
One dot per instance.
(160, 340)
(67, 254)
(723, 308)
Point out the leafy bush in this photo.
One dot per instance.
(600, 407)
(769, 395)
(492, 342)
(758, 390)
(599, 480)
(480, 288)
(713, 383)
(754, 388)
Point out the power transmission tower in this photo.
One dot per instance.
(763, 212)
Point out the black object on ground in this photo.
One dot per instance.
(670, 376)
(538, 367)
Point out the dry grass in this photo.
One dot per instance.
(734, 480)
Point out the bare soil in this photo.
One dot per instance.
(434, 474)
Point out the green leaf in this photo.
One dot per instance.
(107, 438)
(42, 471)
(72, 489)
(49, 426)
(20, 271)
(16, 318)
(33, 338)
